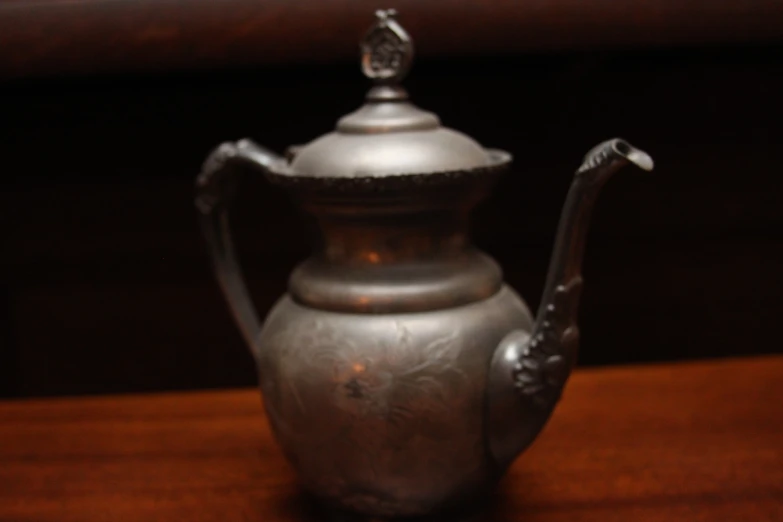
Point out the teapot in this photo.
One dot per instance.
(400, 375)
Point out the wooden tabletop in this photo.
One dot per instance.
(694, 442)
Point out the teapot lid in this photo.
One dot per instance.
(388, 135)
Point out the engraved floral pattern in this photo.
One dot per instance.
(361, 403)
(381, 381)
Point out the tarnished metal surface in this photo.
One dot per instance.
(401, 376)
(384, 413)
(388, 135)
(537, 365)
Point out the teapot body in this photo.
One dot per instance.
(384, 413)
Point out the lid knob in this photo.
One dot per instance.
(388, 135)
(387, 50)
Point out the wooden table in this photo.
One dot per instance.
(691, 442)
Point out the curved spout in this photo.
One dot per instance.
(529, 369)
(598, 166)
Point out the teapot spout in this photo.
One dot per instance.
(529, 369)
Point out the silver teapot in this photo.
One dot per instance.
(400, 375)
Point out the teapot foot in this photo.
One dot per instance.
(477, 511)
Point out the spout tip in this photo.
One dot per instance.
(636, 156)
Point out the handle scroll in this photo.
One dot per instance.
(215, 187)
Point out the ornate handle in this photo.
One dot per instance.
(215, 186)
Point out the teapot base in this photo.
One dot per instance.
(472, 508)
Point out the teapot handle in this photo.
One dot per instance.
(215, 187)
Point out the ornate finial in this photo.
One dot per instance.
(387, 50)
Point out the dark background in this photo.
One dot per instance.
(106, 286)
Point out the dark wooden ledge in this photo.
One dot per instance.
(45, 37)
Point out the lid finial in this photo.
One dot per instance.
(387, 49)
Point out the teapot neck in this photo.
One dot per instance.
(394, 253)
(361, 240)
